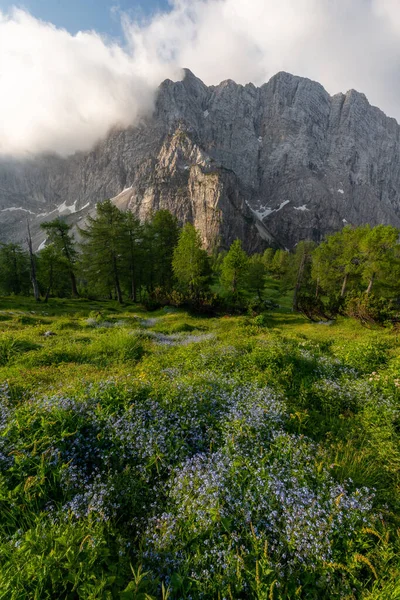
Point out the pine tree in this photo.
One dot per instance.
(267, 258)
(59, 236)
(337, 262)
(53, 273)
(190, 263)
(165, 232)
(14, 270)
(234, 270)
(302, 269)
(103, 249)
(256, 274)
(132, 253)
(379, 249)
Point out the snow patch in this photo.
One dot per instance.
(13, 208)
(304, 207)
(282, 205)
(340, 191)
(206, 113)
(344, 221)
(260, 139)
(42, 245)
(83, 207)
(47, 214)
(263, 212)
(63, 208)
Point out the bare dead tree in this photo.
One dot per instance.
(35, 285)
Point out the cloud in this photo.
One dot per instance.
(62, 93)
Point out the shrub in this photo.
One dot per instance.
(370, 310)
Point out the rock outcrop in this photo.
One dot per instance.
(278, 163)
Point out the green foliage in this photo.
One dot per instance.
(60, 257)
(173, 456)
(190, 264)
(14, 270)
(256, 275)
(365, 357)
(164, 231)
(102, 249)
(11, 347)
(235, 270)
(370, 310)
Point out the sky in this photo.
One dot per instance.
(77, 15)
(72, 69)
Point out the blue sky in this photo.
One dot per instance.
(76, 15)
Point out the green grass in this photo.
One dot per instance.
(154, 455)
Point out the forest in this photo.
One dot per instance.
(354, 271)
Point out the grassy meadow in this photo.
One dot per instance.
(164, 455)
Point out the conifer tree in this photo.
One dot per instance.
(302, 269)
(337, 261)
(256, 274)
(190, 263)
(103, 249)
(132, 253)
(14, 270)
(378, 246)
(267, 258)
(53, 272)
(59, 236)
(165, 231)
(234, 270)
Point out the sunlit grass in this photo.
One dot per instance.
(137, 448)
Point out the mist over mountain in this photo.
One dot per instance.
(277, 163)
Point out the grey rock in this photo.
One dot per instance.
(274, 164)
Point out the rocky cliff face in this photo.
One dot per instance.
(279, 163)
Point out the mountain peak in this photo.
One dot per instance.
(287, 160)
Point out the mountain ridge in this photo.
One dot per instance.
(277, 163)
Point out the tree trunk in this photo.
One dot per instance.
(344, 285)
(116, 280)
(75, 293)
(371, 283)
(317, 289)
(133, 284)
(133, 291)
(298, 282)
(50, 285)
(35, 285)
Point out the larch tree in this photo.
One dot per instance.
(190, 263)
(235, 269)
(103, 249)
(14, 270)
(59, 236)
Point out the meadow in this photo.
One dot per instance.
(159, 454)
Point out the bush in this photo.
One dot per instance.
(370, 310)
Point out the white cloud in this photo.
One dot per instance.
(62, 93)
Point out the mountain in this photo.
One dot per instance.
(279, 163)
